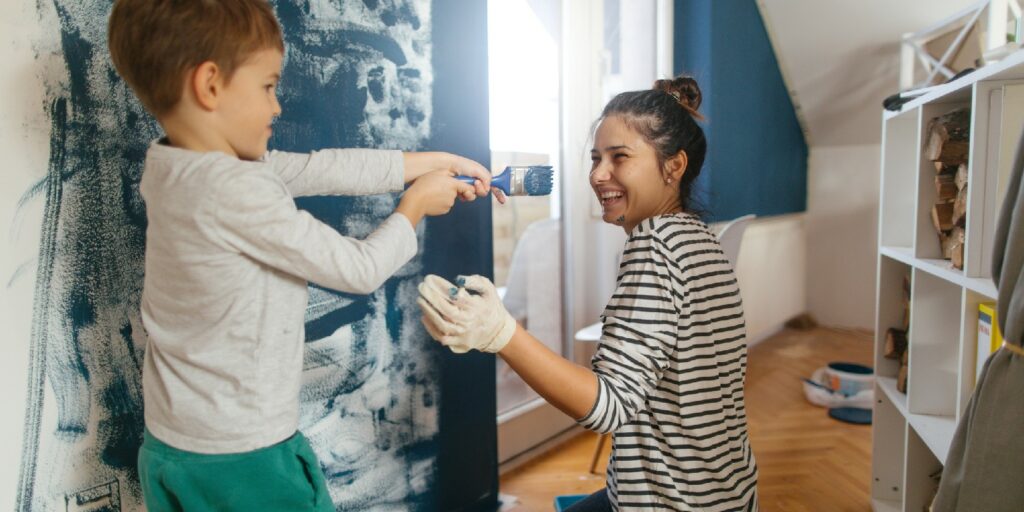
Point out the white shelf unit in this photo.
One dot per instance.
(913, 431)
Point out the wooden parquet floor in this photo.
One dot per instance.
(808, 462)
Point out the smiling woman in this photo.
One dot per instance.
(667, 379)
(648, 152)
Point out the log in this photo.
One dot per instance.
(949, 136)
(946, 245)
(944, 168)
(961, 176)
(895, 343)
(957, 250)
(960, 208)
(901, 379)
(942, 216)
(945, 187)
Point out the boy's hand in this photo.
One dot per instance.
(432, 194)
(465, 167)
(419, 164)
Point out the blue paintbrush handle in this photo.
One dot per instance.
(501, 181)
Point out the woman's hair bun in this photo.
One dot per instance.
(685, 91)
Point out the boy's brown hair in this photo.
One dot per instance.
(154, 42)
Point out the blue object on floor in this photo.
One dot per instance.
(563, 502)
(851, 415)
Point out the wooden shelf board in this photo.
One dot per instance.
(981, 286)
(941, 269)
(1009, 68)
(879, 505)
(935, 431)
(901, 254)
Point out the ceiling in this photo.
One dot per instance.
(840, 59)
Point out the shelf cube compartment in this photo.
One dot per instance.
(969, 350)
(935, 209)
(888, 448)
(893, 287)
(898, 185)
(921, 475)
(934, 341)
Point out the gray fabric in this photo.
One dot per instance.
(986, 458)
(1008, 260)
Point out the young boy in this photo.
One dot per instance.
(228, 255)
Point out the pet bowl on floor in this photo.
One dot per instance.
(849, 378)
(819, 391)
(851, 415)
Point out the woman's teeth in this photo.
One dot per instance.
(609, 197)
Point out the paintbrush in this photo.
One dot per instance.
(520, 180)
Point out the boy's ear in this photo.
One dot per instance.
(206, 82)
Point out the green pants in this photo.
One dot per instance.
(282, 477)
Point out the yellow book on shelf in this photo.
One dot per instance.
(989, 339)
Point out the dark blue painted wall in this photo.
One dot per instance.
(460, 243)
(757, 155)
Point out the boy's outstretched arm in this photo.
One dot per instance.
(342, 172)
(250, 211)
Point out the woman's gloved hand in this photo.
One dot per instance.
(467, 316)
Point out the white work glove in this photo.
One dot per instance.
(465, 317)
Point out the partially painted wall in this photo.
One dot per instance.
(357, 73)
(757, 155)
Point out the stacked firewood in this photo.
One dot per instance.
(896, 339)
(948, 148)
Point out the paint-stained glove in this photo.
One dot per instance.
(467, 316)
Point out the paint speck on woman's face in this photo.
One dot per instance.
(621, 219)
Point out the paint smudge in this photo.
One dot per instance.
(357, 74)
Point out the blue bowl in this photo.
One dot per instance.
(849, 378)
(563, 502)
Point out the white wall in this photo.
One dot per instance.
(24, 142)
(772, 273)
(842, 227)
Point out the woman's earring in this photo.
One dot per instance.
(668, 180)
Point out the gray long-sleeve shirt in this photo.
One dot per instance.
(228, 257)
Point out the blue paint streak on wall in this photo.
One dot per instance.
(468, 477)
(90, 267)
(757, 157)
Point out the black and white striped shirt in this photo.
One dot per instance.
(670, 368)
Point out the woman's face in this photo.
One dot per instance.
(626, 177)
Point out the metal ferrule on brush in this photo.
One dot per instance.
(517, 179)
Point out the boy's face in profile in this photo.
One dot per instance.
(249, 104)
